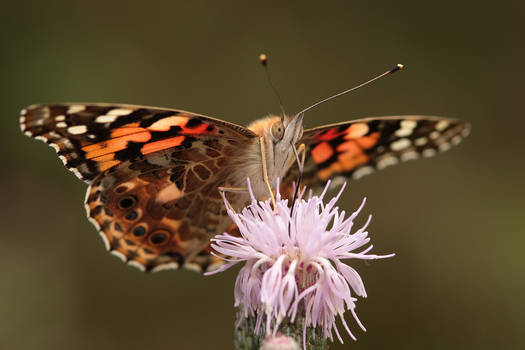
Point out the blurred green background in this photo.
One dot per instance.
(456, 222)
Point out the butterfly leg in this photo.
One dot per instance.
(265, 172)
(233, 189)
(300, 154)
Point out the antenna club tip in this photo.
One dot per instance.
(263, 59)
(397, 67)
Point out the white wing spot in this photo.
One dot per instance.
(409, 124)
(75, 109)
(362, 171)
(429, 152)
(434, 135)
(168, 266)
(442, 125)
(95, 223)
(193, 267)
(120, 111)
(409, 155)
(386, 161)
(106, 118)
(137, 265)
(61, 125)
(60, 118)
(337, 182)
(404, 132)
(63, 159)
(445, 146)
(91, 136)
(28, 133)
(456, 139)
(77, 129)
(400, 144)
(104, 239)
(420, 141)
(76, 172)
(407, 127)
(67, 143)
(41, 138)
(55, 147)
(119, 255)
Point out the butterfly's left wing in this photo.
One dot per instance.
(350, 150)
(93, 138)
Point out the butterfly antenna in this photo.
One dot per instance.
(264, 61)
(393, 70)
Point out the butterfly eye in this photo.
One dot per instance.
(277, 131)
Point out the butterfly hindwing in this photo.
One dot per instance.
(357, 148)
(92, 138)
(155, 217)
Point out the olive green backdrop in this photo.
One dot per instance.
(456, 222)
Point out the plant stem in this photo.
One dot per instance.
(246, 339)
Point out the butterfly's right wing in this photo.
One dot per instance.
(351, 150)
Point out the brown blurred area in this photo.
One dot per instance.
(455, 222)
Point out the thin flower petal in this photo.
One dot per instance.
(293, 261)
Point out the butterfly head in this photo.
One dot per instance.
(286, 131)
(284, 134)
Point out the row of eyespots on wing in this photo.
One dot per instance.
(127, 237)
(158, 245)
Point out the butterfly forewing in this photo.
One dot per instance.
(351, 150)
(92, 138)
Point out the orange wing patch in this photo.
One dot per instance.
(351, 152)
(104, 152)
(162, 144)
(117, 143)
(322, 152)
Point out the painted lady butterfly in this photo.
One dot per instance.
(154, 173)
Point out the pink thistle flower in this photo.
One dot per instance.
(293, 262)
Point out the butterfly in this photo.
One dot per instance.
(154, 174)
